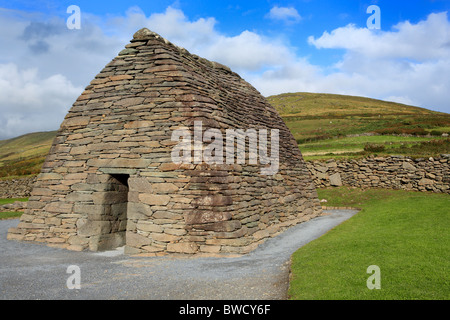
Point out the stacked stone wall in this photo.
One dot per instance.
(395, 172)
(16, 188)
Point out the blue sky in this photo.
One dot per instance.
(277, 46)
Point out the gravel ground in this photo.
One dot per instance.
(33, 271)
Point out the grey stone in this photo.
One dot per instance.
(335, 180)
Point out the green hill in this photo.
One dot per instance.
(306, 104)
(24, 155)
(331, 125)
(315, 116)
(321, 124)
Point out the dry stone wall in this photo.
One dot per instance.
(16, 188)
(395, 172)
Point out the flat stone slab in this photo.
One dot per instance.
(32, 271)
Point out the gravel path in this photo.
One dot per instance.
(33, 271)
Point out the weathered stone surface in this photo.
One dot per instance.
(139, 124)
(200, 217)
(154, 200)
(408, 166)
(92, 228)
(229, 242)
(138, 211)
(121, 77)
(140, 185)
(221, 226)
(425, 181)
(213, 200)
(163, 237)
(145, 34)
(21, 188)
(390, 173)
(210, 249)
(75, 122)
(335, 180)
(261, 234)
(128, 51)
(182, 247)
(169, 166)
(135, 240)
(164, 188)
(119, 163)
(149, 227)
(50, 176)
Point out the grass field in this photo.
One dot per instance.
(320, 104)
(307, 129)
(353, 147)
(405, 234)
(24, 155)
(10, 215)
(321, 124)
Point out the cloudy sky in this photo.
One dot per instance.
(277, 46)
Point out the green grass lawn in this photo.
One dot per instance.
(9, 215)
(406, 234)
(12, 200)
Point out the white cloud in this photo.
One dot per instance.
(409, 64)
(247, 51)
(30, 103)
(407, 41)
(286, 14)
(44, 68)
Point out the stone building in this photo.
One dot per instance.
(109, 179)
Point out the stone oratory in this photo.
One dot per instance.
(109, 179)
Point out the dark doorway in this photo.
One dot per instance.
(119, 202)
(114, 208)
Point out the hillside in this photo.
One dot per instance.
(24, 155)
(306, 104)
(317, 115)
(321, 124)
(331, 125)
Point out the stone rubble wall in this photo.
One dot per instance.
(16, 206)
(16, 188)
(395, 172)
(410, 174)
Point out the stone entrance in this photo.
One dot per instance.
(106, 222)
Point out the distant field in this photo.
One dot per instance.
(351, 147)
(319, 104)
(312, 116)
(328, 126)
(321, 123)
(24, 155)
